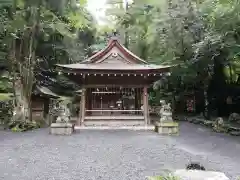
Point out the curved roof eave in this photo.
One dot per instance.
(80, 66)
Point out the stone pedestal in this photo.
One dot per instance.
(165, 125)
(183, 174)
(61, 128)
(62, 125)
(167, 128)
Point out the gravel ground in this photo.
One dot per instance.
(114, 155)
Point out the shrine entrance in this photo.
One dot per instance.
(114, 101)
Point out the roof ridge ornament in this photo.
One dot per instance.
(114, 33)
(114, 36)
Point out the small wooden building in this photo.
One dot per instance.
(114, 86)
(41, 98)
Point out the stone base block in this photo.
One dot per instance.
(167, 128)
(61, 128)
(200, 175)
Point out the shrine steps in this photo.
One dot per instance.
(114, 122)
(133, 128)
(119, 122)
(113, 118)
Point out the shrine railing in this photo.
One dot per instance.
(114, 101)
(113, 112)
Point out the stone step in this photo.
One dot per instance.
(113, 123)
(134, 128)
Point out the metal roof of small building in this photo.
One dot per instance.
(46, 91)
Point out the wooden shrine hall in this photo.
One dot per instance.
(114, 86)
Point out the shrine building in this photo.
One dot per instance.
(114, 86)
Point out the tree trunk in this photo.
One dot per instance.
(126, 36)
(22, 107)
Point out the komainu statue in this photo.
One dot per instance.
(165, 112)
(63, 113)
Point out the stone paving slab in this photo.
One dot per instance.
(114, 154)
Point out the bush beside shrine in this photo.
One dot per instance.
(229, 125)
(6, 109)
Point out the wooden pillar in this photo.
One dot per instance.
(82, 107)
(79, 113)
(145, 105)
(136, 100)
(89, 101)
(83, 103)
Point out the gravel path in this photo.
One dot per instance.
(113, 155)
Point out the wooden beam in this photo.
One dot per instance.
(112, 85)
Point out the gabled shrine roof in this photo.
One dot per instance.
(113, 57)
(110, 47)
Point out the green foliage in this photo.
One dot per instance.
(184, 32)
(36, 35)
(6, 109)
(5, 84)
(6, 96)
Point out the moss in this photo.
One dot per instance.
(41, 123)
(208, 123)
(16, 126)
(168, 124)
(5, 96)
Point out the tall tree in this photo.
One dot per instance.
(27, 23)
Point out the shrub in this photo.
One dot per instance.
(195, 166)
(219, 125)
(17, 126)
(6, 110)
